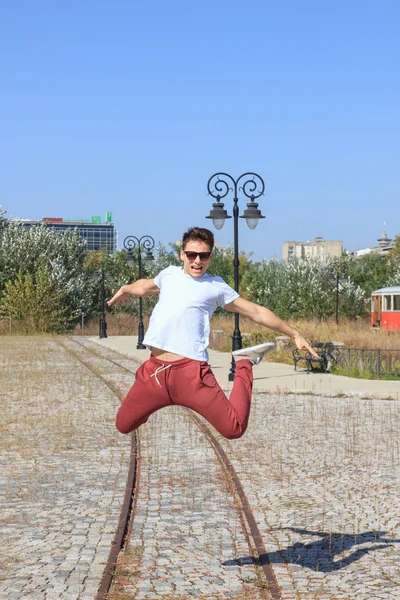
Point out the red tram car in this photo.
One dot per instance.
(385, 308)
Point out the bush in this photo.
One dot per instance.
(36, 303)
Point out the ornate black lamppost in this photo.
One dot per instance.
(146, 242)
(252, 186)
(338, 278)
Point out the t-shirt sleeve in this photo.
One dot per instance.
(158, 278)
(226, 294)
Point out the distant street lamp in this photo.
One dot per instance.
(337, 278)
(102, 322)
(252, 186)
(146, 242)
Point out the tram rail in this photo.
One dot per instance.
(269, 585)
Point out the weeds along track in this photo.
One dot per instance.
(108, 366)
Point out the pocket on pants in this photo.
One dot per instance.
(206, 375)
(143, 372)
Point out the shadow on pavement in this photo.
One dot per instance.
(319, 555)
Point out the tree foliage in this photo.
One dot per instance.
(394, 261)
(394, 255)
(27, 250)
(370, 272)
(36, 302)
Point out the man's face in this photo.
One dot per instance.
(195, 265)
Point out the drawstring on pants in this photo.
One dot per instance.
(157, 371)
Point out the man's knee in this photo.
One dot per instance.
(122, 427)
(236, 433)
(126, 425)
(123, 424)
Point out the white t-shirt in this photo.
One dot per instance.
(180, 322)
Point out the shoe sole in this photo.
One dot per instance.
(267, 347)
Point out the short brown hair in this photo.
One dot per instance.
(198, 234)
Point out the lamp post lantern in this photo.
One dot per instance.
(146, 242)
(252, 187)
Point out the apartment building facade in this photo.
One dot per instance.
(318, 248)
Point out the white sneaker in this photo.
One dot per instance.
(254, 354)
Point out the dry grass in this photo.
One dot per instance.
(356, 334)
(117, 324)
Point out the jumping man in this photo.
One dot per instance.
(177, 371)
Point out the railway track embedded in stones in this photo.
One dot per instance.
(265, 580)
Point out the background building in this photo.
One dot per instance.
(319, 248)
(98, 235)
(384, 246)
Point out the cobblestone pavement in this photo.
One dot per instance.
(323, 478)
(185, 524)
(63, 471)
(320, 473)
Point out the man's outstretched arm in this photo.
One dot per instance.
(140, 288)
(264, 316)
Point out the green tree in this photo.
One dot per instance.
(395, 251)
(369, 272)
(393, 259)
(28, 249)
(300, 288)
(394, 255)
(35, 302)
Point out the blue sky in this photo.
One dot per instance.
(131, 106)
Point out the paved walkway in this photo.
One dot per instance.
(274, 377)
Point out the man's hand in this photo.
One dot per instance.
(120, 296)
(301, 343)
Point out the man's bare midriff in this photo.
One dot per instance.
(163, 355)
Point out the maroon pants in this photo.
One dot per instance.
(192, 384)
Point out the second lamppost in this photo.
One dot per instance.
(338, 279)
(102, 276)
(146, 242)
(252, 187)
(103, 324)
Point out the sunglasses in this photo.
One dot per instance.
(202, 255)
